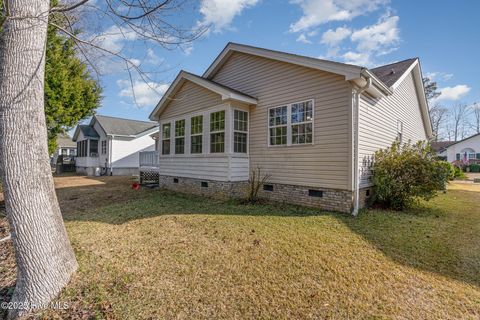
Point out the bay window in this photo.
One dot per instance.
(180, 136)
(217, 132)
(196, 134)
(166, 138)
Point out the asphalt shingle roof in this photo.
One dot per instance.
(88, 131)
(124, 127)
(439, 145)
(65, 141)
(390, 73)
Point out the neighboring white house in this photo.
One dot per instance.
(112, 145)
(311, 125)
(466, 150)
(66, 147)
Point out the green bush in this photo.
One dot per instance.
(450, 169)
(474, 168)
(459, 174)
(403, 174)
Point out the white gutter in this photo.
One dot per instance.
(356, 116)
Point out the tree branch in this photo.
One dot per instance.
(68, 8)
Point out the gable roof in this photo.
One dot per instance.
(87, 131)
(122, 127)
(391, 73)
(225, 92)
(115, 127)
(349, 71)
(456, 142)
(383, 83)
(65, 141)
(440, 145)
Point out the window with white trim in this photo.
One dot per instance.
(180, 136)
(240, 131)
(217, 132)
(302, 122)
(104, 146)
(277, 124)
(291, 124)
(196, 134)
(400, 131)
(166, 138)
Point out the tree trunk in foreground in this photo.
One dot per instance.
(45, 259)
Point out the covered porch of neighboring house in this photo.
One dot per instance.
(468, 155)
(148, 167)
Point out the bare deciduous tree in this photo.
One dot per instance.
(459, 113)
(438, 116)
(476, 117)
(44, 257)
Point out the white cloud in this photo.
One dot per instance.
(384, 33)
(144, 93)
(443, 76)
(152, 58)
(114, 38)
(303, 38)
(356, 58)
(334, 37)
(375, 40)
(318, 12)
(135, 62)
(453, 93)
(220, 13)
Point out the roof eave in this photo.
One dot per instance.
(349, 71)
(185, 76)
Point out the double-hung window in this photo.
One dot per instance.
(166, 138)
(93, 148)
(104, 146)
(399, 131)
(291, 124)
(196, 134)
(180, 136)
(278, 123)
(217, 132)
(240, 131)
(302, 122)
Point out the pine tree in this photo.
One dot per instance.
(71, 94)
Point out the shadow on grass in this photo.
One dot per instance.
(441, 237)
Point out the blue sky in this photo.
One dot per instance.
(443, 34)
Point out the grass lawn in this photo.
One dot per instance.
(153, 254)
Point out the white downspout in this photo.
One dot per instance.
(110, 153)
(356, 116)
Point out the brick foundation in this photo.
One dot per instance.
(326, 199)
(210, 188)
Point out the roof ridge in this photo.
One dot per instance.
(390, 64)
(111, 117)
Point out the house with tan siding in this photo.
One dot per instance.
(311, 125)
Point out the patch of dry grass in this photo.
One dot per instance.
(154, 255)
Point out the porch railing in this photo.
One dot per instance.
(148, 159)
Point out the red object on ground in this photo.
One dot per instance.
(135, 186)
